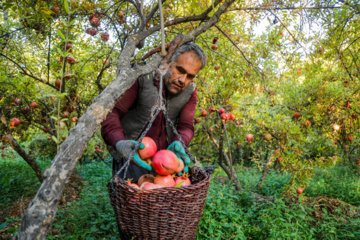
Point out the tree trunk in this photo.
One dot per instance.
(9, 138)
(38, 218)
(229, 170)
(265, 172)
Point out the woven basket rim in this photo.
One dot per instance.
(165, 189)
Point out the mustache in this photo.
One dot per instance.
(179, 83)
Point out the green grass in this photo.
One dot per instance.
(228, 214)
(17, 179)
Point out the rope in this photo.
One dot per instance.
(161, 106)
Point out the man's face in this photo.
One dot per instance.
(181, 72)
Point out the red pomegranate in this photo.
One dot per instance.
(17, 100)
(203, 113)
(146, 178)
(166, 181)
(181, 166)
(14, 122)
(211, 109)
(184, 178)
(149, 150)
(225, 116)
(297, 115)
(104, 36)
(132, 184)
(351, 138)
(95, 22)
(149, 186)
(33, 105)
(221, 110)
(57, 83)
(250, 137)
(300, 190)
(165, 162)
(232, 116)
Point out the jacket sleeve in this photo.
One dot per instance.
(185, 126)
(111, 129)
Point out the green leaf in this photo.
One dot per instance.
(54, 138)
(61, 35)
(12, 230)
(179, 184)
(3, 225)
(66, 5)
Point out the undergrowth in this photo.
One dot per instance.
(228, 214)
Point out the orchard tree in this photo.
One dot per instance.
(141, 23)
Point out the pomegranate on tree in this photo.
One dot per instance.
(203, 113)
(267, 137)
(17, 100)
(214, 46)
(225, 116)
(55, 9)
(211, 109)
(104, 36)
(33, 105)
(95, 22)
(71, 60)
(67, 76)
(149, 149)
(297, 115)
(14, 122)
(221, 110)
(57, 83)
(69, 46)
(300, 190)
(249, 137)
(231, 116)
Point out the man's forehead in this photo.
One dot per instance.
(189, 61)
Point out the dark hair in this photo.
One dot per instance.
(194, 48)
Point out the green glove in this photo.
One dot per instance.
(124, 147)
(179, 151)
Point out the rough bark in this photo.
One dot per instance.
(9, 138)
(265, 172)
(38, 218)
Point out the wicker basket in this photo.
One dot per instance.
(165, 213)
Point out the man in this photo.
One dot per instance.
(131, 113)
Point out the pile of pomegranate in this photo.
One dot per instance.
(165, 163)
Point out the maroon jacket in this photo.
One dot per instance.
(112, 132)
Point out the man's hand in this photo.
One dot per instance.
(124, 147)
(177, 148)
